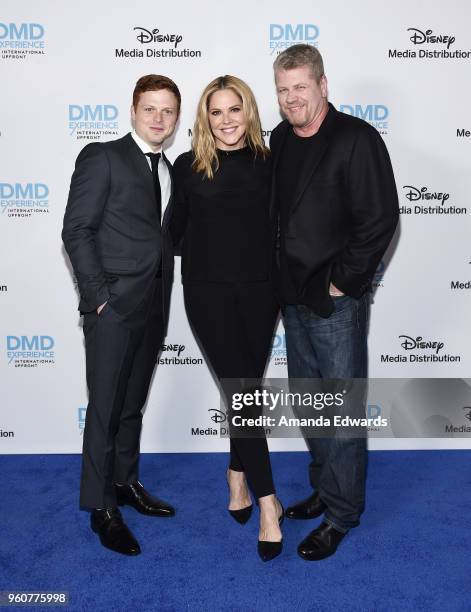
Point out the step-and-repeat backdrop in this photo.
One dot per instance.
(67, 75)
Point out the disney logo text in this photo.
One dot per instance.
(147, 36)
(423, 194)
(177, 348)
(218, 416)
(419, 38)
(419, 343)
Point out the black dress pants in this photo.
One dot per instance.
(234, 323)
(120, 357)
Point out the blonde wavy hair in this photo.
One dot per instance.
(203, 142)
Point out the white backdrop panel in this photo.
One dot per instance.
(61, 60)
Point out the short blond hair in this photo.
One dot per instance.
(301, 55)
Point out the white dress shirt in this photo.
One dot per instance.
(164, 174)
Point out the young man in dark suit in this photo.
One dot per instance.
(334, 192)
(116, 235)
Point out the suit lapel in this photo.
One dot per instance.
(141, 166)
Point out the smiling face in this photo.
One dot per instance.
(302, 99)
(227, 119)
(155, 116)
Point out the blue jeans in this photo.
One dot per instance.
(333, 348)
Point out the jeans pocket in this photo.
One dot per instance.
(346, 311)
(342, 302)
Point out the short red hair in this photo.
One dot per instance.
(155, 82)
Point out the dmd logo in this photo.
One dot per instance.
(278, 350)
(87, 122)
(157, 43)
(30, 351)
(87, 113)
(23, 199)
(32, 32)
(82, 413)
(373, 411)
(376, 114)
(286, 35)
(18, 40)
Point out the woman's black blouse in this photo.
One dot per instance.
(224, 221)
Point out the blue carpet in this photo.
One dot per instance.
(411, 552)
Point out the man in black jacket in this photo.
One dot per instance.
(334, 192)
(116, 235)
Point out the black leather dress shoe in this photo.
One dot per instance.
(309, 508)
(136, 496)
(320, 543)
(113, 532)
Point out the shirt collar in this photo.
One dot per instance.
(142, 144)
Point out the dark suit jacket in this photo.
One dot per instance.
(343, 213)
(111, 229)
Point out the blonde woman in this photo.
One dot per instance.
(222, 213)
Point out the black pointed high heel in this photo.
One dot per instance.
(242, 515)
(269, 550)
